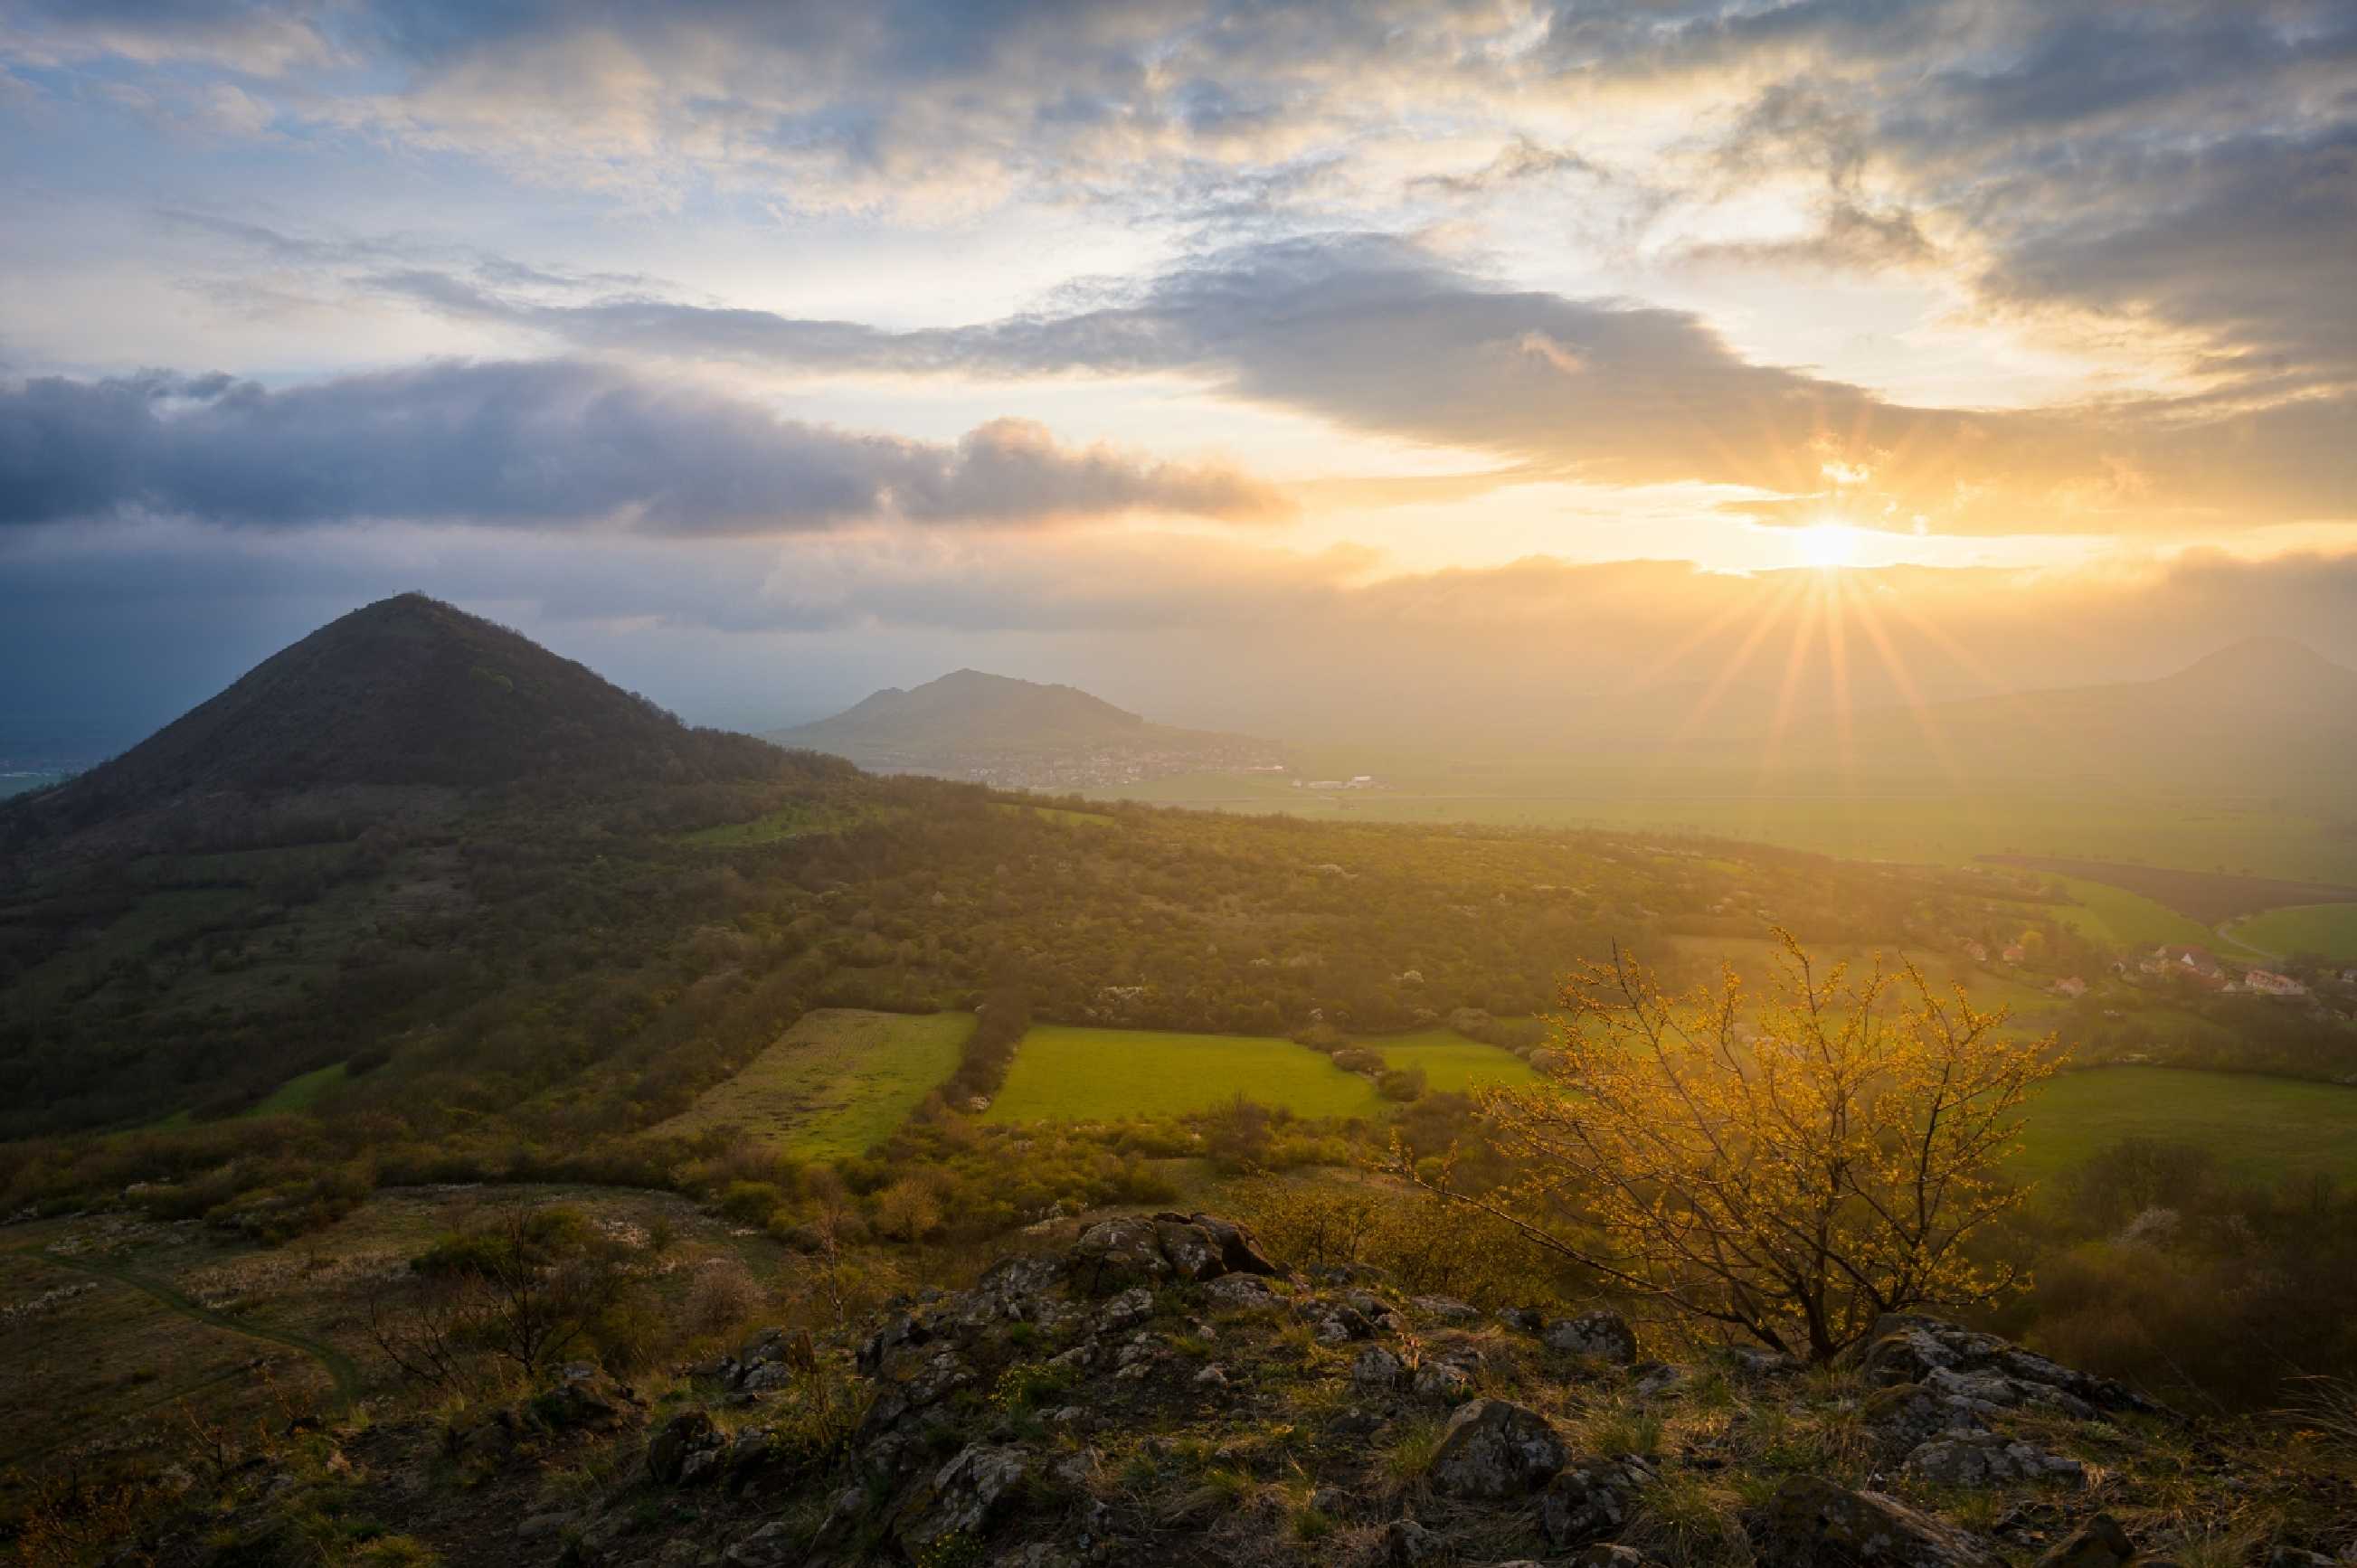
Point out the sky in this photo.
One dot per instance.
(1240, 360)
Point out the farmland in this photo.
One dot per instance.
(2119, 918)
(1451, 1063)
(1063, 1073)
(837, 1082)
(2209, 897)
(2257, 1127)
(2328, 929)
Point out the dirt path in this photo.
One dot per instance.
(340, 1367)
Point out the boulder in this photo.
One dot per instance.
(583, 1397)
(1117, 1254)
(1190, 1249)
(963, 1498)
(1759, 1361)
(686, 1438)
(1812, 1523)
(1589, 1499)
(1442, 1380)
(2098, 1543)
(1125, 1310)
(1988, 1459)
(1407, 1544)
(1448, 1309)
(1605, 1336)
(1907, 1348)
(1378, 1370)
(1493, 1449)
(1240, 1293)
(1240, 1249)
(1905, 1416)
(774, 1545)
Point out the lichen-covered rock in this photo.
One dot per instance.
(1407, 1544)
(1378, 1370)
(1493, 1449)
(1444, 1309)
(774, 1545)
(1125, 1310)
(1441, 1381)
(1116, 1254)
(1907, 1348)
(1240, 1293)
(964, 1498)
(1759, 1361)
(1604, 1335)
(1988, 1459)
(2098, 1543)
(1240, 1249)
(1905, 1416)
(1812, 1523)
(912, 1381)
(684, 1439)
(1134, 1250)
(1189, 1249)
(1589, 1499)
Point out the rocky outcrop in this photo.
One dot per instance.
(1604, 1335)
(1493, 1449)
(1812, 1523)
(687, 1448)
(2098, 1543)
(1905, 1348)
(1987, 1458)
(1590, 1500)
(961, 1498)
(1138, 1249)
(1165, 1349)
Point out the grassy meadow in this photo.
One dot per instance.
(1065, 1073)
(2330, 929)
(1451, 1063)
(2257, 1127)
(2114, 915)
(837, 1082)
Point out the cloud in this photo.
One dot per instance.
(547, 443)
(1380, 334)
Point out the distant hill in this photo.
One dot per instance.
(406, 693)
(2263, 715)
(975, 724)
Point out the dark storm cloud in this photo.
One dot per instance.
(554, 442)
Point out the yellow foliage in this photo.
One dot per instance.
(1791, 1172)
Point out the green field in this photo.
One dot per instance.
(1452, 1063)
(2258, 1127)
(1063, 1073)
(837, 1082)
(2330, 929)
(301, 1093)
(2120, 918)
(802, 819)
(1063, 816)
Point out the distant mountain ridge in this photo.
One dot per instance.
(403, 694)
(975, 724)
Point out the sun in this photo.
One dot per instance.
(1826, 545)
